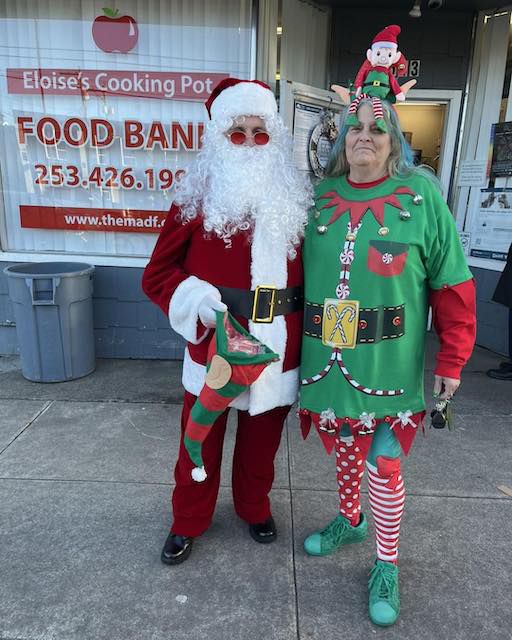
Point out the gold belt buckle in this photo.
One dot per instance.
(264, 288)
(340, 322)
(376, 83)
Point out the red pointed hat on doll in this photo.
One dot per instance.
(233, 97)
(388, 36)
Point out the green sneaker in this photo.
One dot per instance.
(336, 533)
(384, 605)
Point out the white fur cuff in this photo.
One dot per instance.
(184, 305)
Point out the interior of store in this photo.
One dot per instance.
(423, 126)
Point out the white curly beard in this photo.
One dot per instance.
(233, 186)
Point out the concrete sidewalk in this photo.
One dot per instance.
(85, 476)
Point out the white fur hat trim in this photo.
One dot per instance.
(244, 99)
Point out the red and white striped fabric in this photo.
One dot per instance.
(387, 496)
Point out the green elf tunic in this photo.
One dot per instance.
(376, 84)
(370, 257)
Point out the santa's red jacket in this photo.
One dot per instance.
(187, 264)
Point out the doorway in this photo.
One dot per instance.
(423, 126)
(430, 120)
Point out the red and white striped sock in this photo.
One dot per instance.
(387, 496)
(349, 471)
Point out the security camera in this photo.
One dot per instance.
(435, 4)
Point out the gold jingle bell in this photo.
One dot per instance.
(322, 229)
(350, 237)
(383, 231)
(418, 199)
(405, 215)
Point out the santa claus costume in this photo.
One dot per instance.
(231, 239)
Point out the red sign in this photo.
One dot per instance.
(130, 84)
(83, 219)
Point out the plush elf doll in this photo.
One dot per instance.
(235, 360)
(375, 78)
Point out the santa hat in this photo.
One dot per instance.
(232, 98)
(387, 37)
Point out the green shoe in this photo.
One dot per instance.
(336, 533)
(384, 605)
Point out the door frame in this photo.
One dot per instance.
(450, 136)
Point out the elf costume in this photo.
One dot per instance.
(373, 255)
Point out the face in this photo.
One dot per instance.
(250, 126)
(366, 146)
(383, 56)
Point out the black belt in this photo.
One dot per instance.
(375, 324)
(262, 304)
(375, 83)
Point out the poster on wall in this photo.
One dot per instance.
(491, 234)
(102, 113)
(314, 134)
(501, 159)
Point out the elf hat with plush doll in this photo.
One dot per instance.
(375, 80)
(235, 360)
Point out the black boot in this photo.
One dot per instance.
(503, 373)
(176, 549)
(264, 531)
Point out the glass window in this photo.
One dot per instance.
(100, 112)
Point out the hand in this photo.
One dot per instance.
(207, 308)
(448, 386)
(400, 97)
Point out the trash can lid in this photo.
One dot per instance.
(48, 269)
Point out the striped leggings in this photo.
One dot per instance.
(385, 486)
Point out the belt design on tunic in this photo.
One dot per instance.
(374, 323)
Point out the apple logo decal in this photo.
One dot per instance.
(112, 32)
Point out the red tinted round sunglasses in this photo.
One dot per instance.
(239, 137)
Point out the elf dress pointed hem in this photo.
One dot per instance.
(329, 427)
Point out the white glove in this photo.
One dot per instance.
(207, 308)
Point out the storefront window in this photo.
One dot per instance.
(100, 112)
(506, 82)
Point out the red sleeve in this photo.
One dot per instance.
(362, 73)
(454, 318)
(395, 87)
(164, 271)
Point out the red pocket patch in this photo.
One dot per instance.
(387, 258)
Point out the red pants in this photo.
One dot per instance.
(257, 442)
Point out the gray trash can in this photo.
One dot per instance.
(54, 322)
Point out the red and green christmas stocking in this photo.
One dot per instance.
(235, 360)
